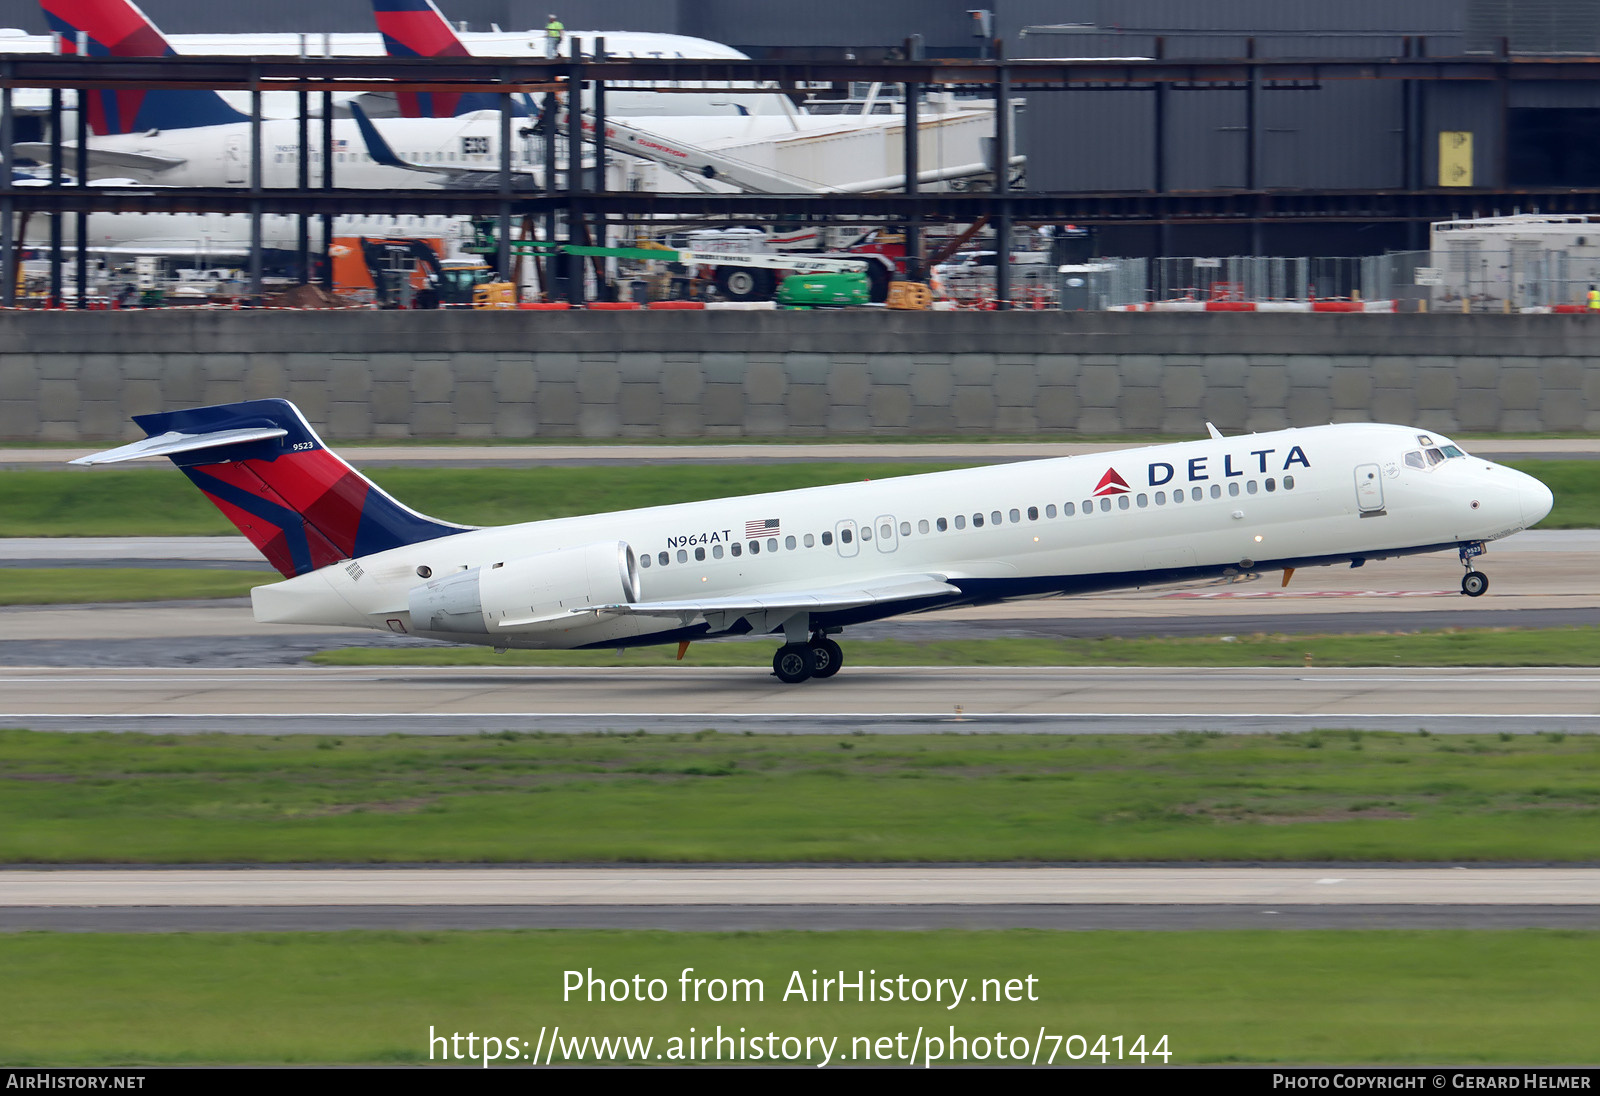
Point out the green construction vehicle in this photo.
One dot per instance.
(825, 290)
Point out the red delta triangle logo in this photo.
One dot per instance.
(1111, 484)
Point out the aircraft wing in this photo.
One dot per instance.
(146, 164)
(723, 612)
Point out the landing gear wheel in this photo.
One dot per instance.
(827, 658)
(794, 662)
(1474, 583)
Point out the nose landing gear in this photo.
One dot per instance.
(1473, 583)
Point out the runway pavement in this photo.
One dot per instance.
(1540, 579)
(678, 698)
(691, 898)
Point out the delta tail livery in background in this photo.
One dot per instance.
(807, 564)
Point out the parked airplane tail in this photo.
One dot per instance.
(264, 467)
(416, 28)
(117, 28)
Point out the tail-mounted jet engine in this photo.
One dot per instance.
(528, 594)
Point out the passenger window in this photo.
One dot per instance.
(662, 558)
(1414, 460)
(905, 528)
(683, 556)
(1161, 498)
(1197, 494)
(994, 518)
(1033, 513)
(961, 522)
(1143, 500)
(1216, 490)
(1067, 509)
(1016, 516)
(737, 549)
(922, 525)
(866, 533)
(1050, 511)
(755, 547)
(1177, 496)
(789, 543)
(699, 555)
(1088, 506)
(887, 530)
(772, 544)
(844, 536)
(809, 541)
(644, 560)
(1105, 505)
(1272, 485)
(941, 525)
(1251, 488)
(977, 521)
(1122, 502)
(716, 551)
(1233, 489)
(1288, 483)
(827, 539)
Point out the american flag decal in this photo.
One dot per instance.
(765, 527)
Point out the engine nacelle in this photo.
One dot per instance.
(529, 593)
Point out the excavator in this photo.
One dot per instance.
(393, 260)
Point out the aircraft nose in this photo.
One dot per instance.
(1536, 500)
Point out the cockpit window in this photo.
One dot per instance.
(1414, 460)
(1435, 457)
(1452, 451)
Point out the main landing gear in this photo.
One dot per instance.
(1473, 583)
(820, 657)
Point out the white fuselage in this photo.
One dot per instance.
(1338, 493)
(219, 156)
(210, 238)
(285, 104)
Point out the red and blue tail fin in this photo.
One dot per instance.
(416, 28)
(117, 28)
(263, 466)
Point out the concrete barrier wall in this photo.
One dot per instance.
(68, 377)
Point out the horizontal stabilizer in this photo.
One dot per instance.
(172, 442)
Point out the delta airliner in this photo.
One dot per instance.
(806, 564)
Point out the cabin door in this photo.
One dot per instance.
(1369, 489)
(234, 160)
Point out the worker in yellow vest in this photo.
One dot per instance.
(553, 31)
(1594, 299)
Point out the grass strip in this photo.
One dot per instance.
(1578, 646)
(161, 502)
(370, 997)
(704, 797)
(77, 585)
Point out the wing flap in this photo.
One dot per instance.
(902, 588)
